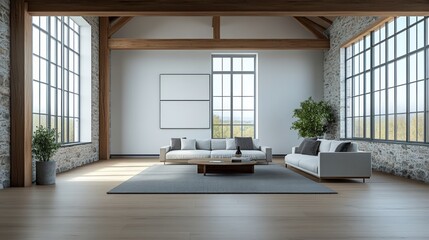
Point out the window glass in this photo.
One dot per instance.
(233, 96)
(56, 76)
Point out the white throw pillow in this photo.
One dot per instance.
(188, 144)
(256, 144)
(325, 145)
(218, 144)
(334, 145)
(230, 144)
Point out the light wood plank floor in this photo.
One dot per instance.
(386, 207)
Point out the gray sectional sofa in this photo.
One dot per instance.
(329, 164)
(215, 148)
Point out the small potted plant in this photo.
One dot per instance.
(313, 118)
(44, 147)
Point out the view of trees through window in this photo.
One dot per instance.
(386, 76)
(56, 79)
(233, 94)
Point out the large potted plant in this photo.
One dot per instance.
(44, 147)
(313, 118)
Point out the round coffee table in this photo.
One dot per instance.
(205, 166)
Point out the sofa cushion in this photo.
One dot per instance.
(310, 164)
(188, 144)
(175, 143)
(222, 153)
(253, 154)
(311, 147)
(203, 144)
(299, 149)
(230, 144)
(325, 145)
(187, 154)
(293, 159)
(342, 147)
(245, 143)
(218, 144)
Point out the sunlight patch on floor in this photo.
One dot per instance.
(121, 171)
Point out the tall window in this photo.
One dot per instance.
(386, 76)
(233, 96)
(56, 78)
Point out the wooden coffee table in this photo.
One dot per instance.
(205, 166)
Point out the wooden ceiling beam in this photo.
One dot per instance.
(216, 27)
(327, 20)
(225, 44)
(229, 7)
(380, 22)
(309, 25)
(317, 25)
(118, 24)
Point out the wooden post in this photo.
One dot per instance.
(216, 27)
(104, 90)
(21, 95)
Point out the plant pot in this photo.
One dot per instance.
(46, 172)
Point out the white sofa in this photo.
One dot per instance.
(329, 164)
(215, 149)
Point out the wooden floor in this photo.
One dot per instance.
(386, 207)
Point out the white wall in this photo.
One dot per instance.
(285, 78)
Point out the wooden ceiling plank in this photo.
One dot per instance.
(229, 7)
(372, 27)
(310, 27)
(118, 24)
(216, 27)
(192, 44)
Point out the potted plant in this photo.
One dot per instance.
(314, 118)
(44, 147)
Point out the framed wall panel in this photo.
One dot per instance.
(184, 101)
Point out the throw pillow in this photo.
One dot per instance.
(188, 144)
(175, 144)
(218, 144)
(245, 143)
(299, 149)
(325, 145)
(203, 144)
(343, 147)
(230, 144)
(256, 144)
(311, 147)
(334, 145)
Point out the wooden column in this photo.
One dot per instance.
(104, 89)
(216, 27)
(21, 95)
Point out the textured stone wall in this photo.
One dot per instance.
(410, 161)
(67, 157)
(74, 156)
(4, 93)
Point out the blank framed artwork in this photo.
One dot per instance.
(185, 114)
(184, 101)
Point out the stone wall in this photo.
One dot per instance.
(67, 157)
(410, 161)
(4, 93)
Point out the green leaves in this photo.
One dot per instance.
(313, 117)
(44, 143)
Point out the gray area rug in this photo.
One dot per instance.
(183, 179)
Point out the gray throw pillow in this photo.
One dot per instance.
(343, 147)
(175, 144)
(311, 147)
(299, 149)
(245, 143)
(203, 144)
(230, 144)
